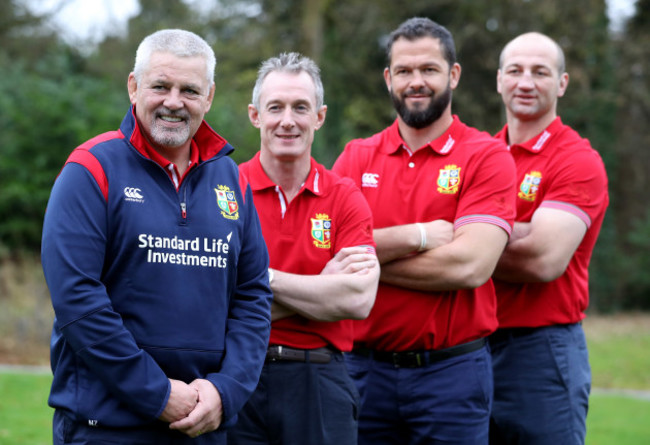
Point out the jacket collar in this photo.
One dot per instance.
(206, 143)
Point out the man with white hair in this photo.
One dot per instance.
(156, 266)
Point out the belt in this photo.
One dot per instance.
(416, 359)
(278, 353)
(505, 334)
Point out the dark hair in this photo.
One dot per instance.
(418, 27)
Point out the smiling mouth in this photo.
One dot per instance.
(171, 118)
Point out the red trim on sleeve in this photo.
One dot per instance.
(82, 156)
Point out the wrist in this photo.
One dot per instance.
(423, 237)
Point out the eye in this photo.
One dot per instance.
(302, 108)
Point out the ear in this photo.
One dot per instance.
(499, 81)
(320, 117)
(454, 76)
(132, 86)
(210, 98)
(387, 78)
(254, 116)
(564, 83)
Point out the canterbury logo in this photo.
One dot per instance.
(133, 193)
(370, 180)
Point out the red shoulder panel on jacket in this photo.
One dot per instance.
(81, 155)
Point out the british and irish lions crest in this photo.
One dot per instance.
(227, 202)
(321, 228)
(530, 186)
(449, 179)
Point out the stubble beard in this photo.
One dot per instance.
(170, 137)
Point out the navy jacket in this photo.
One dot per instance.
(150, 283)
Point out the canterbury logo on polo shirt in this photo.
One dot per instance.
(370, 180)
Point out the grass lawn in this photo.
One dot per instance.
(25, 417)
(614, 420)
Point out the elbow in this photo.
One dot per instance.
(545, 273)
(359, 308)
(476, 276)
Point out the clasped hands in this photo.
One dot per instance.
(193, 408)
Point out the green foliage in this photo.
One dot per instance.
(52, 98)
(47, 110)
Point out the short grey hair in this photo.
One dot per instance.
(178, 42)
(289, 63)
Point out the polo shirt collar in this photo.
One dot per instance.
(537, 143)
(259, 180)
(443, 145)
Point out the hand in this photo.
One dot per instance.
(207, 414)
(182, 400)
(439, 232)
(350, 260)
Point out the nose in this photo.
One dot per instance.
(526, 81)
(417, 79)
(173, 99)
(287, 118)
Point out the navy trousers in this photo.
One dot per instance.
(297, 403)
(542, 381)
(446, 402)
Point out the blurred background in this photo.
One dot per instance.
(64, 65)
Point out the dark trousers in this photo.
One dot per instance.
(68, 432)
(542, 381)
(298, 403)
(446, 402)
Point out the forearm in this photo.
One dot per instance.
(456, 265)
(408, 239)
(327, 297)
(541, 250)
(396, 242)
(279, 311)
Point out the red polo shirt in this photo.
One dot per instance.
(464, 176)
(328, 213)
(556, 169)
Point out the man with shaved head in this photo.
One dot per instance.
(540, 361)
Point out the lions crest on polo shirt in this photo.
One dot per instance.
(227, 202)
(449, 179)
(321, 228)
(529, 186)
